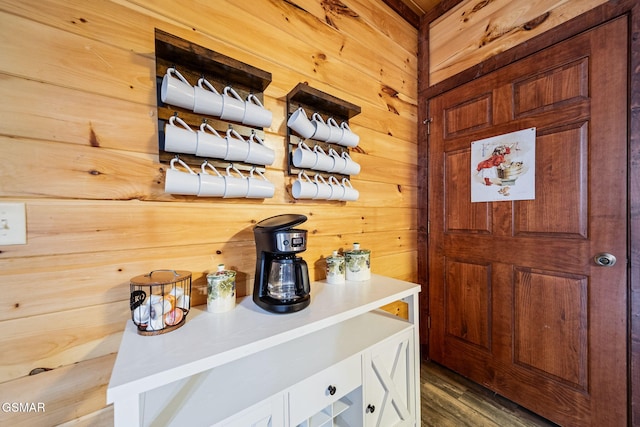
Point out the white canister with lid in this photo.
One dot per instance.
(358, 264)
(221, 290)
(335, 269)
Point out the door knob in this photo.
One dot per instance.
(605, 259)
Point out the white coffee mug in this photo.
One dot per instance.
(210, 144)
(335, 131)
(339, 162)
(237, 147)
(176, 90)
(300, 123)
(235, 186)
(323, 189)
(337, 190)
(351, 167)
(350, 193)
(255, 114)
(323, 162)
(211, 185)
(321, 130)
(304, 187)
(259, 153)
(177, 181)
(259, 186)
(179, 139)
(304, 157)
(349, 139)
(232, 105)
(207, 99)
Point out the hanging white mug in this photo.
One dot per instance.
(255, 114)
(321, 129)
(232, 105)
(179, 139)
(350, 193)
(210, 144)
(351, 167)
(300, 123)
(177, 181)
(207, 99)
(323, 189)
(335, 131)
(237, 147)
(235, 186)
(176, 90)
(323, 162)
(337, 190)
(339, 162)
(304, 187)
(303, 156)
(349, 139)
(259, 153)
(211, 185)
(259, 186)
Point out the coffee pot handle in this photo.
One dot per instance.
(302, 277)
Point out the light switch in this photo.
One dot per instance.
(13, 224)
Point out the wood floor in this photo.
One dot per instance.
(449, 400)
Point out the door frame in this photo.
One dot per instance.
(584, 22)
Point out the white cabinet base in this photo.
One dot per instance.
(321, 366)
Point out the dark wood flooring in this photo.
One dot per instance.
(450, 400)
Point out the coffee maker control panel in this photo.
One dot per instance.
(291, 241)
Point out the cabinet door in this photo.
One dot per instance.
(269, 413)
(390, 383)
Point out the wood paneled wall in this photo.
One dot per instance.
(79, 143)
(474, 31)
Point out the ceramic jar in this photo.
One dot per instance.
(335, 269)
(358, 264)
(221, 290)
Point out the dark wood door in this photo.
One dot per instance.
(517, 302)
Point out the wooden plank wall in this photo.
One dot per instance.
(79, 148)
(474, 31)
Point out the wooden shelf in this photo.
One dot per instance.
(183, 53)
(316, 100)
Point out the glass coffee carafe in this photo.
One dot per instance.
(282, 279)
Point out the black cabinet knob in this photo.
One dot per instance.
(332, 390)
(371, 409)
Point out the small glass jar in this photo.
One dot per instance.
(335, 269)
(358, 264)
(221, 290)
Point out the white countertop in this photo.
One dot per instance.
(207, 340)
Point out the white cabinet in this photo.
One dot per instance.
(321, 366)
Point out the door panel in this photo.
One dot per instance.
(516, 300)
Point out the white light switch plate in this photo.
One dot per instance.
(13, 224)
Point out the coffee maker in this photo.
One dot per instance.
(282, 279)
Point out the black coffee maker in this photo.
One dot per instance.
(282, 279)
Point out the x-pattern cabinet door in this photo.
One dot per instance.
(389, 389)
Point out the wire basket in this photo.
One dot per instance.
(160, 301)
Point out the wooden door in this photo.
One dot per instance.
(517, 302)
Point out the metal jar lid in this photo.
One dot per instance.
(161, 277)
